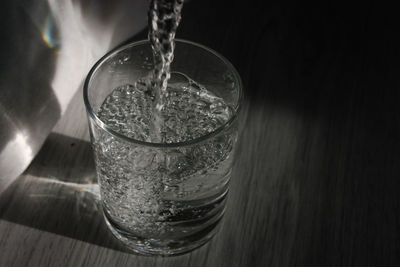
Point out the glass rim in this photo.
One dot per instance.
(197, 140)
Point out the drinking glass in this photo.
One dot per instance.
(163, 198)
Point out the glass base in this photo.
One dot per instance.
(146, 246)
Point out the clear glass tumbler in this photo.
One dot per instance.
(163, 198)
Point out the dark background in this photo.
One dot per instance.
(336, 66)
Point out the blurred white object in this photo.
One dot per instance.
(88, 29)
(47, 50)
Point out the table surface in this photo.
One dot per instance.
(317, 174)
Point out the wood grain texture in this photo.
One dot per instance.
(316, 180)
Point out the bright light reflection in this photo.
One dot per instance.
(15, 154)
(89, 188)
(86, 196)
(48, 33)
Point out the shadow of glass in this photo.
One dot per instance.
(58, 193)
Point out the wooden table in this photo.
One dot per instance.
(317, 175)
